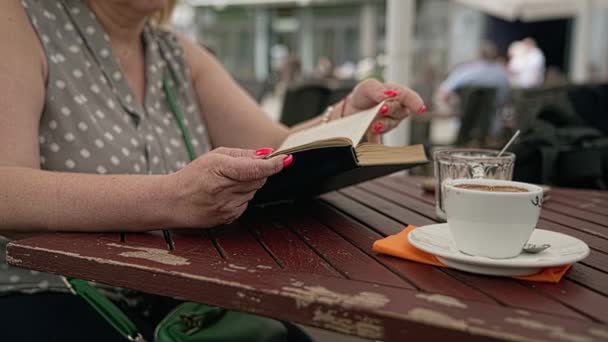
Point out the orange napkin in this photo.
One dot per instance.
(398, 245)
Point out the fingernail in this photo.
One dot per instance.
(378, 127)
(390, 93)
(264, 151)
(384, 109)
(422, 109)
(287, 161)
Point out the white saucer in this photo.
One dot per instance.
(436, 239)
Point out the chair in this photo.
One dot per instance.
(591, 103)
(562, 141)
(303, 102)
(530, 104)
(478, 109)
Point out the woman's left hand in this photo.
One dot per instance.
(400, 103)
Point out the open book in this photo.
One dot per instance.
(331, 156)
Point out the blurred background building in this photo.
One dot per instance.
(295, 57)
(254, 37)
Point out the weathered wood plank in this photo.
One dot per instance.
(592, 224)
(317, 268)
(238, 244)
(589, 277)
(512, 293)
(425, 277)
(289, 249)
(375, 220)
(347, 258)
(581, 193)
(575, 296)
(398, 197)
(597, 260)
(194, 242)
(401, 213)
(382, 313)
(592, 205)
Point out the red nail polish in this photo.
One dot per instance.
(422, 109)
(287, 161)
(390, 93)
(264, 151)
(384, 109)
(378, 127)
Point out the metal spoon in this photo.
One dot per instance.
(509, 143)
(533, 248)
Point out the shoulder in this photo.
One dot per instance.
(195, 55)
(177, 43)
(193, 50)
(175, 47)
(191, 55)
(15, 25)
(19, 42)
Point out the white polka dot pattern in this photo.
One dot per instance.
(70, 164)
(92, 121)
(85, 153)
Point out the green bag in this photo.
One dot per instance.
(188, 322)
(191, 322)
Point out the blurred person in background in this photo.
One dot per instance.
(323, 69)
(526, 64)
(485, 71)
(288, 75)
(368, 68)
(345, 71)
(291, 71)
(90, 141)
(555, 77)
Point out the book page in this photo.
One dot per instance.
(374, 154)
(352, 127)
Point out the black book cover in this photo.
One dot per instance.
(317, 171)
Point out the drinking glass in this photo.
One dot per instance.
(468, 163)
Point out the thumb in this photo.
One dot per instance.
(234, 152)
(368, 93)
(248, 169)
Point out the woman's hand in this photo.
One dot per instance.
(400, 103)
(215, 188)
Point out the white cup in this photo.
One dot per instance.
(490, 223)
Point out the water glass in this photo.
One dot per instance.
(468, 163)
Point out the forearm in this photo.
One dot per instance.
(35, 200)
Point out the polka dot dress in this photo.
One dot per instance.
(91, 122)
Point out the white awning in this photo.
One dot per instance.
(526, 10)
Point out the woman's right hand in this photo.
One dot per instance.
(216, 188)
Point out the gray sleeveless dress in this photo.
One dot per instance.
(91, 122)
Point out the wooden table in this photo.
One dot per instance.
(313, 264)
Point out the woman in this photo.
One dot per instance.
(89, 138)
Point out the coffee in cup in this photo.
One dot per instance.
(491, 218)
(491, 188)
